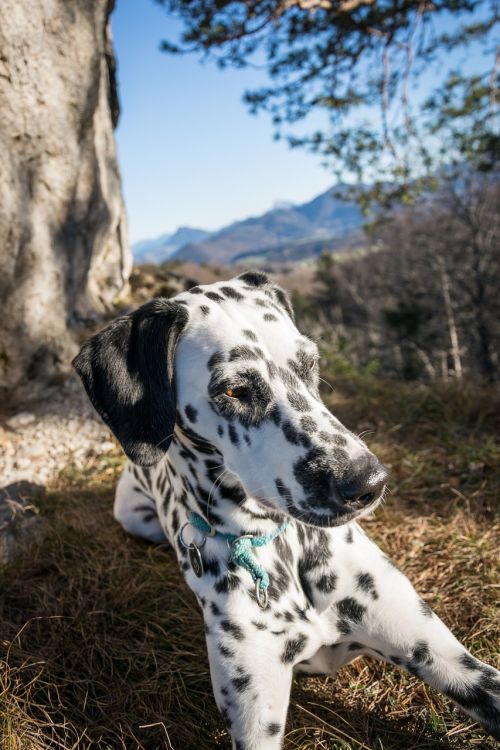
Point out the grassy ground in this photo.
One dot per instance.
(101, 644)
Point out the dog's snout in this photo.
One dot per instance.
(364, 484)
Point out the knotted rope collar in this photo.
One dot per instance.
(241, 551)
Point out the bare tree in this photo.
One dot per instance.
(424, 301)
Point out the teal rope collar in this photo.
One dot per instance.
(241, 548)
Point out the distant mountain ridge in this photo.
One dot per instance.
(162, 248)
(286, 232)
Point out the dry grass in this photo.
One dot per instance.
(102, 644)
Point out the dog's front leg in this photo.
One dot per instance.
(251, 683)
(384, 617)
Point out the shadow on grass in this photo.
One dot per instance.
(102, 644)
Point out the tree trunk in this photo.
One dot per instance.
(450, 317)
(64, 253)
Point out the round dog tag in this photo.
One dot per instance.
(196, 560)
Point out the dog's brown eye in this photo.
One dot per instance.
(237, 392)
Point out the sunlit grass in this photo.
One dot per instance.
(102, 644)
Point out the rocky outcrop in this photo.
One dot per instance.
(64, 254)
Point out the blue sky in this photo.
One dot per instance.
(190, 153)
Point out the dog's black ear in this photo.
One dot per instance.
(260, 279)
(128, 372)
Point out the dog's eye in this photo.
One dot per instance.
(235, 392)
(312, 363)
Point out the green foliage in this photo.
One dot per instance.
(338, 360)
(342, 58)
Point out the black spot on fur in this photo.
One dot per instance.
(212, 567)
(230, 292)
(288, 378)
(241, 683)
(249, 335)
(232, 628)
(327, 583)
(225, 651)
(298, 401)
(220, 430)
(349, 537)
(275, 415)
(214, 296)
(242, 352)
(293, 647)
(366, 583)
(233, 435)
(204, 310)
(191, 413)
(175, 521)
(195, 290)
(421, 653)
(308, 424)
(469, 662)
(332, 438)
(259, 625)
(475, 698)
(283, 489)
(313, 471)
(226, 584)
(217, 358)
(269, 317)
(215, 609)
(233, 492)
(273, 729)
(271, 368)
(254, 278)
(284, 300)
(295, 436)
(425, 608)
(351, 612)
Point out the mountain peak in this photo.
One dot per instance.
(286, 232)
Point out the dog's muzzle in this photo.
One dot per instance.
(363, 484)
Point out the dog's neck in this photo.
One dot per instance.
(199, 480)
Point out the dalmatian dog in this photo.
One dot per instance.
(214, 397)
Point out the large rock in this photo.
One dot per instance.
(64, 254)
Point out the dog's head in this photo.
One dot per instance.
(225, 364)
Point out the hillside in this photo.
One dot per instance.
(284, 233)
(162, 248)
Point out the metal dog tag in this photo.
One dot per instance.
(196, 560)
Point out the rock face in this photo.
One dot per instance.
(64, 252)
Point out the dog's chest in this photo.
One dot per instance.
(302, 563)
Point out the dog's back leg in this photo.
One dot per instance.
(135, 508)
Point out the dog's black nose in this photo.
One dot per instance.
(364, 483)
